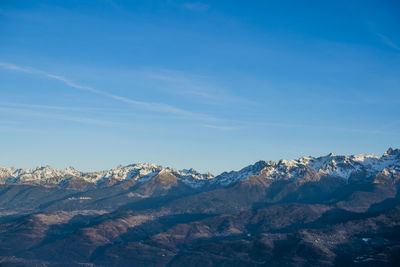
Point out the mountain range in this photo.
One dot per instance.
(329, 210)
(343, 167)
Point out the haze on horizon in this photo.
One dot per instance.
(210, 85)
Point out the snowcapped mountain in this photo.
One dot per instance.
(138, 172)
(343, 167)
(145, 214)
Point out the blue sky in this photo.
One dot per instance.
(213, 85)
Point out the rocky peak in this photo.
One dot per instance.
(392, 153)
(388, 152)
(330, 165)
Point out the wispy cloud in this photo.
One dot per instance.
(320, 127)
(196, 6)
(218, 127)
(60, 117)
(151, 106)
(120, 113)
(392, 125)
(14, 129)
(50, 107)
(199, 88)
(161, 108)
(386, 40)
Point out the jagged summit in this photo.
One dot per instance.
(392, 152)
(330, 165)
(141, 172)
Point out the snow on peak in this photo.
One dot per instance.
(227, 178)
(141, 172)
(331, 164)
(364, 157)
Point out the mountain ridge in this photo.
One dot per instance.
(325, 211)
(342, 166)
